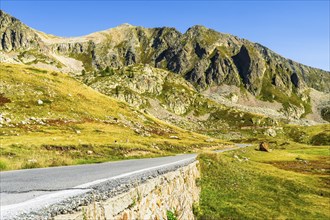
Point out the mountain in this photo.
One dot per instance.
(161, 68)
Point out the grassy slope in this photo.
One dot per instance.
(76, 124)
(286, 183)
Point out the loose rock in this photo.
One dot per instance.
(264, 146)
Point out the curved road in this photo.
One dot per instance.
(25, 182)
(24, 191)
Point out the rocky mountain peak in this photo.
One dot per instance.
(6, 18)
(196, 29)
(14, 35)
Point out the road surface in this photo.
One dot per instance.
(23, 191)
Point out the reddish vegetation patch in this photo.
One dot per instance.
(60, 122)
(321, 166)
(157, 132)
(88, 120)
(3, 100)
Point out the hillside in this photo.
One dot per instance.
(49, 119)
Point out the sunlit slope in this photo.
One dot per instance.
(50, 119)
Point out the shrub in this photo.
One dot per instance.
(170, 215)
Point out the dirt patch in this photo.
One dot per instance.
(4, 100)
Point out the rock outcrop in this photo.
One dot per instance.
(15, 36)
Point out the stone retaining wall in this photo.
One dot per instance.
(174, 192)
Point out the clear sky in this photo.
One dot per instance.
(298, 30)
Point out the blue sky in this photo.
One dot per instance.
(298, 30)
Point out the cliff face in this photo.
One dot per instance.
(16, 36)
(202, 56)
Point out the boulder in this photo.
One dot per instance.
(264, 146)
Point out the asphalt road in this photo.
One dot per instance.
(26, 182)
(24, 191)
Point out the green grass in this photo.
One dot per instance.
(320, 151)
(314, 135)
(265, 186)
